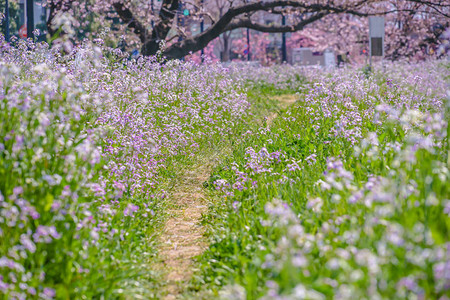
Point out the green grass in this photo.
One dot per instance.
(343, 248)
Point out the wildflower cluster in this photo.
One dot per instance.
(364, 212)
(90, 141)
(282, 78)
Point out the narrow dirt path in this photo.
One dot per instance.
(182, 237)
(284, 101)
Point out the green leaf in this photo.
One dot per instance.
(48, 201)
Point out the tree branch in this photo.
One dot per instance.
(273, 28)
(434, 6)
(162, 27)
(229, 21)
(200, 41)
(128, 18)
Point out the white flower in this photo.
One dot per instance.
(315, 204)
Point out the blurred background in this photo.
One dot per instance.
(414, 30)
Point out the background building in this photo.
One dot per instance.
(18, 17)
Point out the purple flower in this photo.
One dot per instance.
(98, 190)
(18, 145)
(355, 197)
(3, 285)
(45, 234)
(130, 210)
(49, 292)
(27, 243)
(446, 207)
(236, 205)
(17, 190)
(9, 263)
(32, 291)
(409, 283)
(441, 270)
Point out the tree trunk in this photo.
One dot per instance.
(56, 8)
(150, 45)
(226, 23)
(226, 48)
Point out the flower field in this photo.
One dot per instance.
(90, 146)
(344, 194)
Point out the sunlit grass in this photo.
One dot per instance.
(345, 196)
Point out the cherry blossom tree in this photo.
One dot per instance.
(409, 33)
(153, 22)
